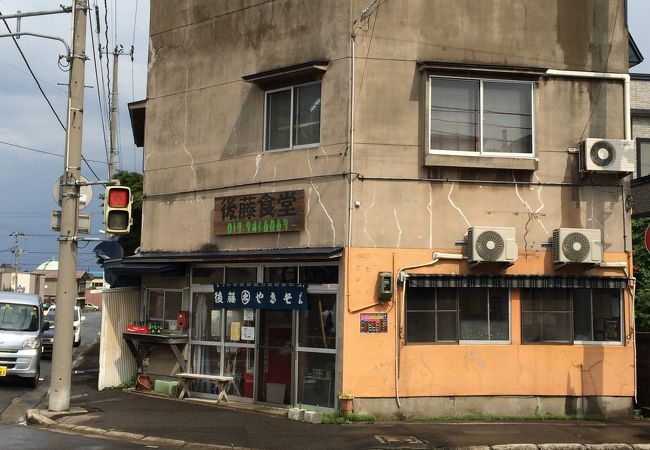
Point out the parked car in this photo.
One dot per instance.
(91, 307)
(77, 320)
(21, 328)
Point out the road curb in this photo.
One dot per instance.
(35, 416)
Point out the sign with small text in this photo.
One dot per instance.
(260, 296)
(268, 212)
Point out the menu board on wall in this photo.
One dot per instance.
(267, 212)
(374, 322)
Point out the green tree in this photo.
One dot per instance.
(642, 274)
(133, 180)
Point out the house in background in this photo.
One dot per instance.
(28, 283)
(49, 274)
(640, 103)
(420, 207)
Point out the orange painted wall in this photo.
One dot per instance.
(478, 369)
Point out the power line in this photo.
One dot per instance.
(99, 98)
(33, 74)
(42, 91)
(47, 153)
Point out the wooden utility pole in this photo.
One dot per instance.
(66, 289)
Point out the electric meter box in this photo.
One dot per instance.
(385, 286)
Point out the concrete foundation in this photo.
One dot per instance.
(609, 407)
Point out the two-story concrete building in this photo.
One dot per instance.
(422, 204)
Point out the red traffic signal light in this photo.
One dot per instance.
(117, 209)
(118, 197)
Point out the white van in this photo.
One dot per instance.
(21, 327)
(76, 322)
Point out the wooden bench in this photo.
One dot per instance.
(222, 383)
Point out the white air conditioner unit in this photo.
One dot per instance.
(577, 245)
(491, 244)
(607, 155)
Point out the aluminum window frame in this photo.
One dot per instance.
(480, 153)
(571, 312)
(458, 340)
(291, 88)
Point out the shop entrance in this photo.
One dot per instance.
(275, 350)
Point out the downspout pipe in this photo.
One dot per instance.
(402, 277)
(628, 135)
(624, 77)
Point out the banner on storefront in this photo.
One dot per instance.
(260, 296)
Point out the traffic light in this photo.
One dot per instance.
(117, 209)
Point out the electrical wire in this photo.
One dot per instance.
(38, 84)
(135, 20)
(365, 64)
(47, 153)
(605, 64)
(99, 98)
(40, 88)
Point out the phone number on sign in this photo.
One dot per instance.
(258, 226)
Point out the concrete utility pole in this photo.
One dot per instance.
(119, 50)
(66, 289)
(17, 253)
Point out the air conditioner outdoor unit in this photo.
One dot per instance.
(607, 155)
(577, 245)
(491, 244)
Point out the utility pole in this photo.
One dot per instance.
(119, 50)
(17, 253)
(66, 289)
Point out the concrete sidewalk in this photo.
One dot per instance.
(172, 423)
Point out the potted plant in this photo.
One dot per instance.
(346, 402)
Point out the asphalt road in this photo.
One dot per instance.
(16, 436)
(11, 389)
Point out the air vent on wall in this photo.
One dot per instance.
(607, 155)
(491, 244)
(576, 246)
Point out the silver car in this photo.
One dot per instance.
(21, 327)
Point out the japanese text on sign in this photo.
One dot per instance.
(270, 212)
(260, 296)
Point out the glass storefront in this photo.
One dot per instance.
(274, 356)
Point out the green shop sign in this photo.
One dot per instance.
(269, 212)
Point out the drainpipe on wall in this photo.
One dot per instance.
(603, 76)
(625, 78)
(402, 276)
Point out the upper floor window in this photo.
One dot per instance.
(570, 315)
(292, 117)
(481, 117)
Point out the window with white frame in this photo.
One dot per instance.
(480, 117)
(435, 314)
(292, 117)
(571, 315)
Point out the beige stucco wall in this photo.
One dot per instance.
(205, 124)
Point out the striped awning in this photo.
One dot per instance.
(516, 281)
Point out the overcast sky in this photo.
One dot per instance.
(27, 176)
(26, 120)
